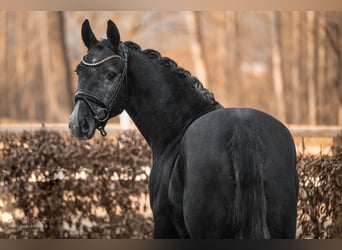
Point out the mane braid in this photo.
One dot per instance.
(179, 71)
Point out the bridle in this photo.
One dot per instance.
(103, 114)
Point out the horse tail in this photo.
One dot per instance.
(246, 152)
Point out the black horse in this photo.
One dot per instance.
(217, 172)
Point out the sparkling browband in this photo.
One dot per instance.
(100, 62)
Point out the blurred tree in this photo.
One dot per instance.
(321, 59)
(58, 87)
(220, 53)
(35, 79)
(197, 46)
(334, 63)
(311, 39)
(8, 85)
(277, 66)
(295, 77)
(3, 75)
(232, 56)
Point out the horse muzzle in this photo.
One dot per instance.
(81, 122)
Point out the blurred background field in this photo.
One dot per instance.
(285, 63)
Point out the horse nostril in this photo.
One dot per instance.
(84, 126)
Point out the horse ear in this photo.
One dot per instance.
(113, 33)
(88, 36)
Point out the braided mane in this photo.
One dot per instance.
(179, 71)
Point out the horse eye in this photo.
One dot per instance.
(111, 75)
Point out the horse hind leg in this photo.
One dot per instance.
(206, 213)
(208, 193)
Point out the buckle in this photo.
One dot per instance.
(102, 115)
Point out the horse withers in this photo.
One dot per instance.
(217, 172)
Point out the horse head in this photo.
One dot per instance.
(102, 89)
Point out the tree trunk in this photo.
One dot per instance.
(334, 64)
(196, 46)
(303, 88)
(323, 105)
(340, 115)
(20, 30)
(3, 84)
(233, 59)
(338, 67)
(295, 45)
(277, 66)
(311, 67)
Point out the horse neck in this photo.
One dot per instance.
(161, 104)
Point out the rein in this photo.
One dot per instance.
(102, 115)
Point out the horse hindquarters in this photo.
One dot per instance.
(233, 159)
